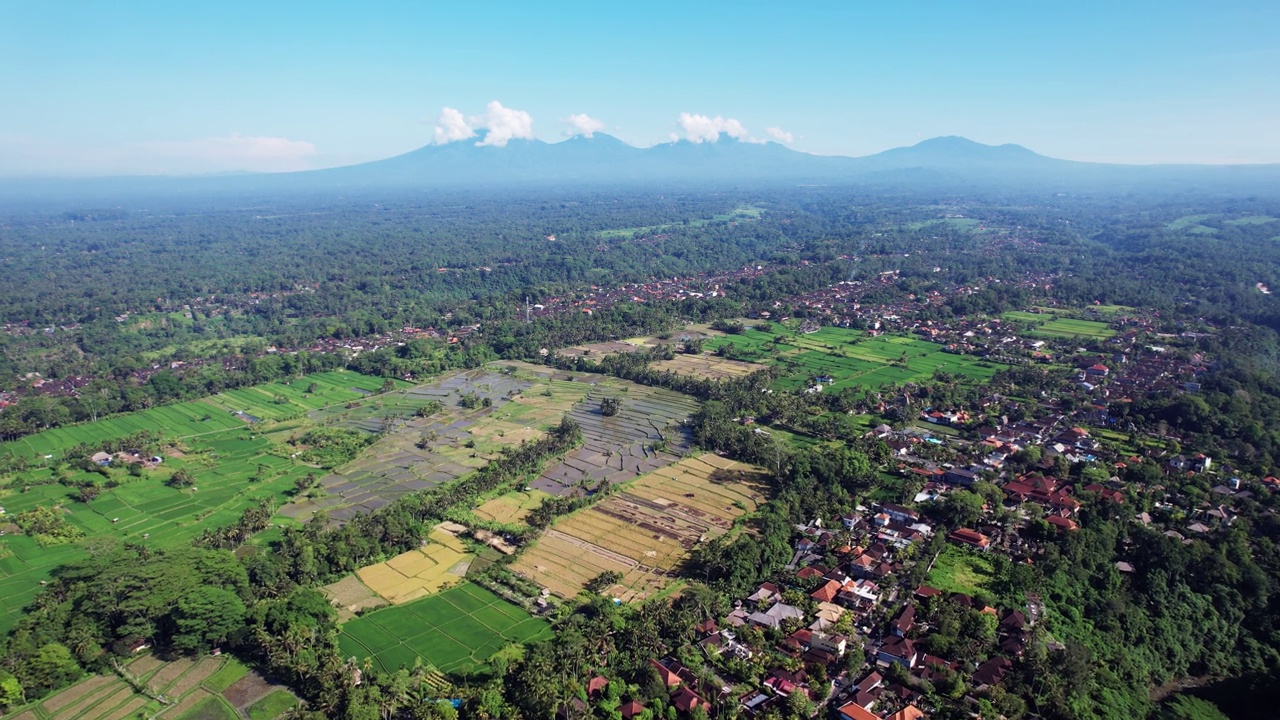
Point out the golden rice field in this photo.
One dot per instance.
(417, 573)
(719, 487)
(707, 366)
(511, 508)
(646, 531)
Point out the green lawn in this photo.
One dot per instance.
(1111, 309)
(957, 223)
(960, 570)
(455, 630)
(1023, 316)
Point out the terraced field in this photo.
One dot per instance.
(645, 435)
(421, 453)
(189, 688)
(755, 345)
(144, 509)
(182, 420)
(1052, 324)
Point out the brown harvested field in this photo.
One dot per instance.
(126, 709)
(87, 702)
(145, 665)
(351, 596)
(170, 672)
(675, 339)
(511, 508)
(191, 700)
(28, 715)
(420, 453)
(203, 669)
(598, 350)
(124, 692)
(607, 525)
(648, 432)
(708, 487)
(417, 573)
(247, 690)
(564, 565)
(94, 686)
(646, 531)
(708, 366)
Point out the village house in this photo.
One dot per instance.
(971, 538)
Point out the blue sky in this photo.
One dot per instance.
(177, 87)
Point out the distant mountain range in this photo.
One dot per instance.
(603, 158)
(608, 159)
(943, 163)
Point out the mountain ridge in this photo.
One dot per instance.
(941, 164)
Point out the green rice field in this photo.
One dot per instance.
(210, 415)
(1068, 328)
(234, 467)
(1030, 317)
(144, 510)
(276, 400)
(1050, 325)
(852, 359)
(455, 630)
(742, 212)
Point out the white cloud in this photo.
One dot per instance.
(231, 152)
(502, 124)
(452, 126)
(701, 128)
(582, 124)
(780, 135)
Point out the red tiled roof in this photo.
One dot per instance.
(854, 711)
(827, 592)
(668, 677)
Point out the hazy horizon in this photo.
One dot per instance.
(156, 88)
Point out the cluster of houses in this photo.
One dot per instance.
(834, 633)
(596, 298)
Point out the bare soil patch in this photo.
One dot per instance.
(247, 690)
